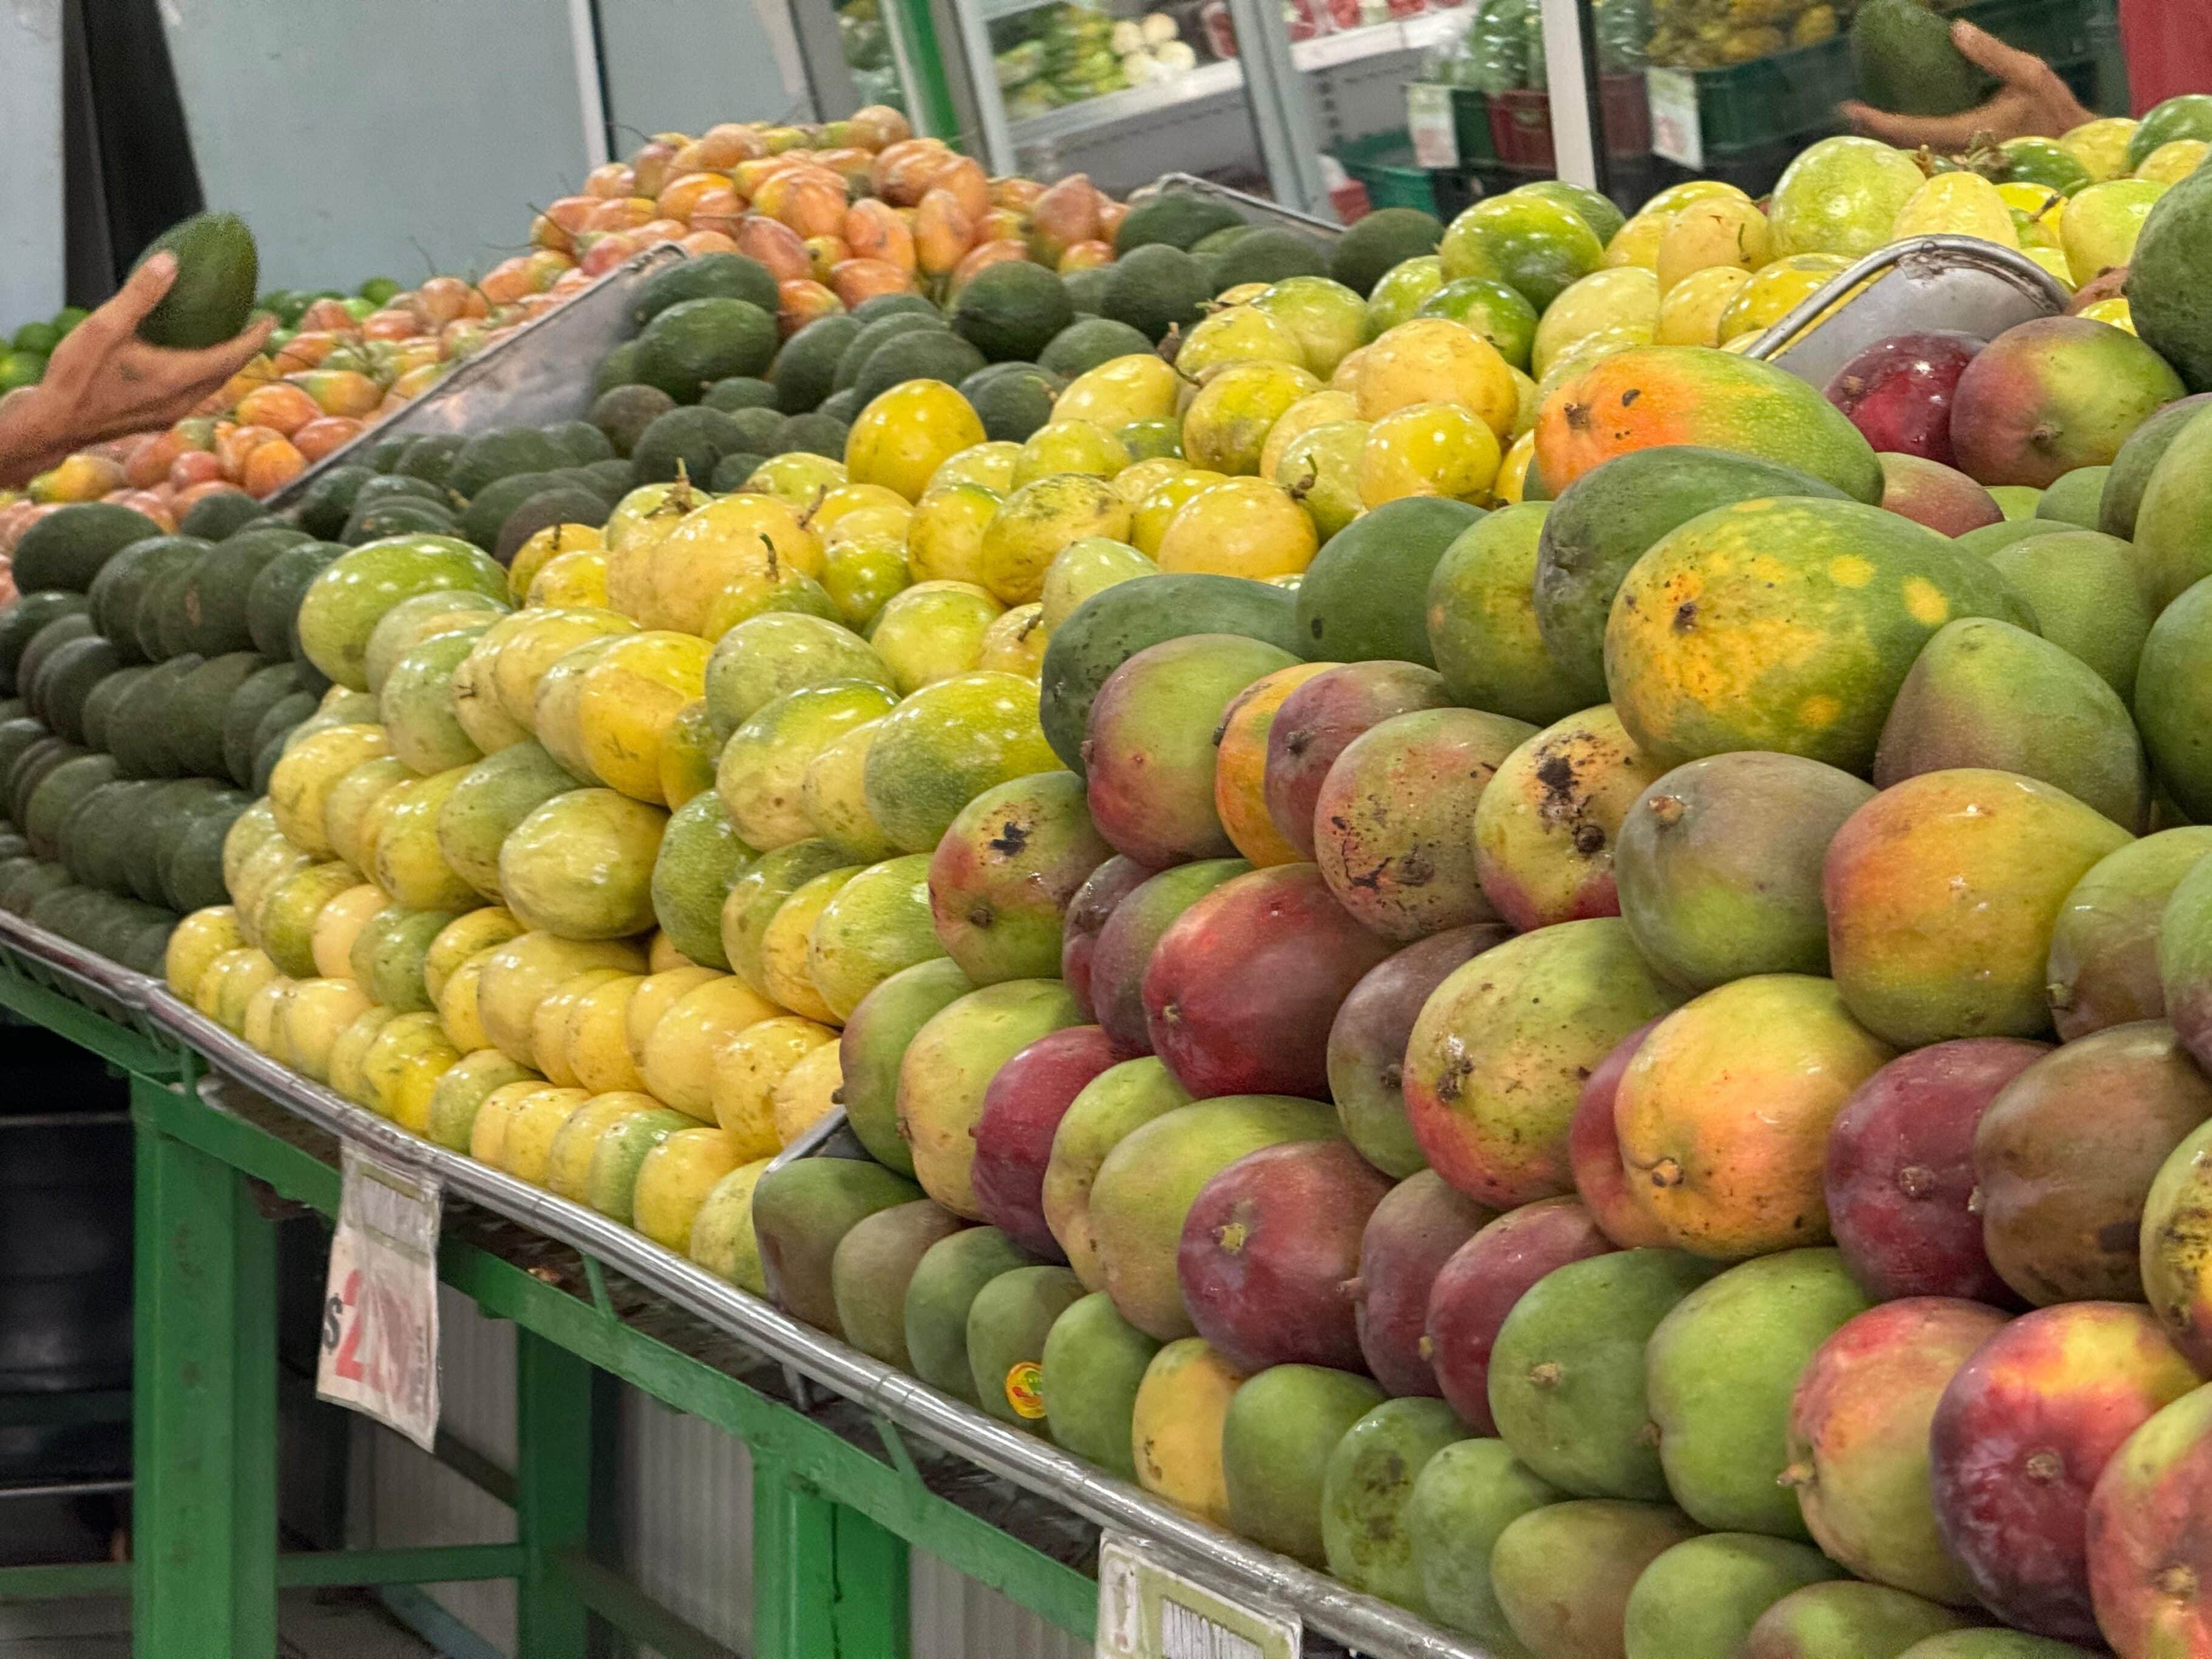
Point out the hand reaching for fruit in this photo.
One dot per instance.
(103, 381)
(2030, 100)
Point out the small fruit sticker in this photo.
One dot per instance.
(1025, 1389)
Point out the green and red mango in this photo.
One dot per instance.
(1901, 1191)
(1546, 825)
(1943, 893)
(1267, 1250)
(1390, 823)
(2019, 1439)
(1420, 1225)
(1001, 880)
(1497, 1058)
(1318, 721)
(1241, 991)
(2066, 1156)
(1859, 1439)
(1367, 1042)
(1148, 748)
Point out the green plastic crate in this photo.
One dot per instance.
(1792, 94)
(1385, 163)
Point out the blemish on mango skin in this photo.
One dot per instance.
(1925, 602)
(1820, 711)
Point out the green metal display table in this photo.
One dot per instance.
(852, 1462)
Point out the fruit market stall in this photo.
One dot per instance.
(1378, 910)
(205, 1103)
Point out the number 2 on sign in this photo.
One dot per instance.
(380, 1323)
(364, 1352)
(343, 1361)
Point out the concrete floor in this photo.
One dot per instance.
(312, 1625)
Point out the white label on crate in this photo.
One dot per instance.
(1429, 118)
(379, 1341)
(1675, 133)
(1147, 1611)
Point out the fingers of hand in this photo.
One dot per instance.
(223, 360)
(1905, 131)
(2014, 67)
(139, 294)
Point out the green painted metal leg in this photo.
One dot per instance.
(552, 1495)
(793, 1540)
(204, 1428)
(827, 1580)
(871, 1612)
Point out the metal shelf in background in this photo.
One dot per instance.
(1346, 46)
(1368, 1626)
(1224, 78)
(1208, 81)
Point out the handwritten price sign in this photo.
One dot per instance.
(1148, 1611)
(380, 1340)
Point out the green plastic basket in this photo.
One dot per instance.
(1793, 94)
(1385, 163)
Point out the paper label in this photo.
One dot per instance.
(380, 1340)
(1148, 1611)
(1675, 132)
(1429, 118)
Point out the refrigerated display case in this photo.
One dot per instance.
(1249, 93)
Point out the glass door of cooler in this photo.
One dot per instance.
(859, 53)
(1356, 61)
(1126, 90)
(1512, 91)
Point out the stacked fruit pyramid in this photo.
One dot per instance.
(1586, 1004)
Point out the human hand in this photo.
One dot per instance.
(103, 381)
(2031, 98)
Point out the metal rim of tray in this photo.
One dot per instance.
(1918, 256)
(1250, 207)
(1369, 1626)
(471, 371)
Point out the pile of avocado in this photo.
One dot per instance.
(151, 680)
(696, 390)
(704, 390)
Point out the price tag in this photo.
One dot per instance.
(1429, 118)
(1145, 1610)
(1675, 132)
(380, 1346)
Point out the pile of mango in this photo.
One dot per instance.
(1507, 951)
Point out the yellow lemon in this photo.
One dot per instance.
(1241, 527)
(1140, 386)
(990, 465)
(907, 432)
(1432, 360)
(1427, 449)
(944, 539)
